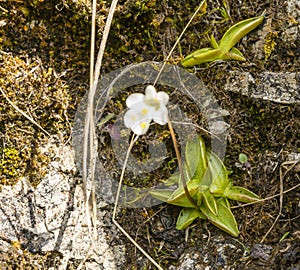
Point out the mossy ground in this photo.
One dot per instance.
(44, 71)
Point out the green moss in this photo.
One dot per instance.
(17, 257)
(10, 166)
(44, 54)
(37, 91)
(270, 44)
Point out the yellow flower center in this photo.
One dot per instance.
(143, 125)
(145, 111)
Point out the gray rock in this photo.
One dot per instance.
(52, 216)
(261, 252)
(277, 87)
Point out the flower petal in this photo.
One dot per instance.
(144, 108)
(137, 122)
(161, 116)
(134, 98)
(141, 127)
(150, 92)
(163, 97)
(130, 118)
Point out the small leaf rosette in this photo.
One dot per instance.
(209, 186)
(145, 108)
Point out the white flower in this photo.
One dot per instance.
(144, 108)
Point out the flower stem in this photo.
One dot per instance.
(186, 191)
(133, 140)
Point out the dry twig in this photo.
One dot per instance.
(89, 128)
(281, 178)
(23, 113)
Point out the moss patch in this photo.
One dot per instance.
(38, 92)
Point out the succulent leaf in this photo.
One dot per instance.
(178, 197)
(210, 202)
(161, 194)
(201, 56)
(225, 220)
(195, 154)
(233, 54)
(240, 194)
(213, 42)
(225, 50)
(187, 216)
(209, 187)
(219, 174)
(236, 32)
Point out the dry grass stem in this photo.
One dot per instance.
(133, 140)
(89, 129)
(23, 113)
(182, 176)
(266, 199)
(281, 178)
(201, 6)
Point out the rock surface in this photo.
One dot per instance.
(277, 87)
(52, 216)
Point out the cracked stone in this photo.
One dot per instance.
(277, 87)
(52, 217)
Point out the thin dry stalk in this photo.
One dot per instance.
(266, 199)
(23, 113)
(186, 191)
(89, 128)
(93, 83)
(281, 177)
(133, 140)
(202, 6)
(280, 206)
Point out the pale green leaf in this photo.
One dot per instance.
(206, 180)
(209, 202)
(225, 219)
(233, 54)
(105, 119)
(161, 194)
(240, 194)
(201, 56)
(173, 179)
(179, 198)
(213, 42)
(186, 217)
(225, 49)
(284, 236)
(195, 155)
(219, 174)
(236, 32)
(224, 201)
(243, 158)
